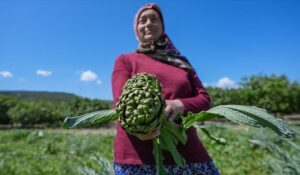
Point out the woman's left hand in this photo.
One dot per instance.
(173, 108)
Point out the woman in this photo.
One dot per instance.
(182, 91)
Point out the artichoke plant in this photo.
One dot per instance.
(140, 110)
(140, 106)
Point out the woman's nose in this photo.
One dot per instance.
(148, 22)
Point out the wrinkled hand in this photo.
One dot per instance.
(150, 136)
(173, 108)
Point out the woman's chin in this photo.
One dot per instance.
(149, 39)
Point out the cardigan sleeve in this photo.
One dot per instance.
(121, 73)
(200, 99)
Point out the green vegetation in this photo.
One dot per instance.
(40, 95)
(274, 93)
(248, 152)
(251, 151)
(36, 152)
(28, 113)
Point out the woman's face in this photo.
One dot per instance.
(149, 26)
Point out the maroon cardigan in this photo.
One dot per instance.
(176, 84)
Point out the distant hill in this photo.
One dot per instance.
(41, 95)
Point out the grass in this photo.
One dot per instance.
(35, 152)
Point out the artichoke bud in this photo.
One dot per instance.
(140, 106)
(148, 101)
(122, 123)
(130, 95)
(129, 102)
(151, 111)
(141, 119)
(135, 112)
(128, 112)
(136, 92)
(121, 113)
(128, 121)
(128, 108)
(146, 109)
(147, 94)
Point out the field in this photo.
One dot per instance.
(35, 152)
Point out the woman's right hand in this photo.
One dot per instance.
(150, 136)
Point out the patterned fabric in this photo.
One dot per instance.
(207, 168)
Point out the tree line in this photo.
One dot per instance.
(275, 93)
(49, 113)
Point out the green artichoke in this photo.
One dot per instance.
(140, 105)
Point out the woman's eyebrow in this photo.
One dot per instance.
(148, 15)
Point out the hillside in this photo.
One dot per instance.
(40, 95)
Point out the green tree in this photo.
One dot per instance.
(274, 93)
(6, 102)
(269, 92)
(80, 106)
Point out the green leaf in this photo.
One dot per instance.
(252, 116)
(177, 132)
(233, 115)
(168, 144)
(191, 119)
(158, 156)
(93, 118)
(220, 141)
(266, 120)
(249, 115)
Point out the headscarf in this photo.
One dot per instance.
(163, 49)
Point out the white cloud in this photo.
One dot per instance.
(43, 73)
(6, 74)
(99, 82)
(88, 76)
(226, 83)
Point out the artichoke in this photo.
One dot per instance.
(140, 105)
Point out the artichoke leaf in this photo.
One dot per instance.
(178, 132)
(90, 119)
(158, 156)
(248, 115)
(220, 141)
(168, 144)
(253, 116)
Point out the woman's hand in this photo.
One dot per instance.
(150, 136)
(173, 108)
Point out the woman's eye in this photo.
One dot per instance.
(142, 21)
(154, 19)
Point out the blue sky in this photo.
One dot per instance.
(70, 46)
